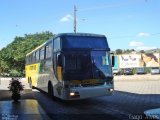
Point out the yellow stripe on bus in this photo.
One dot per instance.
(59, 73)
(88, 81)
(32, 72)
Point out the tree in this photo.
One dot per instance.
(12, 57)
(119, 51)
(142, 51)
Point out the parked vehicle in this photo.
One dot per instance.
(140, 70)
(155, 70)
(128, 71)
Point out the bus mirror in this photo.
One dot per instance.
(112, 60)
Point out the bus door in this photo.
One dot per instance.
(58, 65)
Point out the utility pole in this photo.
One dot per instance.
(75, 10)
(159, 58)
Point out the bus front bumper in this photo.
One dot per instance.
(88, 92)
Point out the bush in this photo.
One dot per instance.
(147, 69)
(134, 70)
(14, 73)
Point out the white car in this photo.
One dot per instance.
(155, 70)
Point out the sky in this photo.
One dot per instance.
(127, 24)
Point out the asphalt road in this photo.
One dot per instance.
(126, 103)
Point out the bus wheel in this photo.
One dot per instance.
(50, 90)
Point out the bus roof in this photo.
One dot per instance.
(66, 34)
(79, 34)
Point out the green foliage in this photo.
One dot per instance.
(119, 51)
(134, 70)
(12, 57)
(147, 69)
(128, 51)
(14, 73)
(142, 51)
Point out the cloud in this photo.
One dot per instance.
(143, 34)
(135, 44)
(66, 18)
(140, 46)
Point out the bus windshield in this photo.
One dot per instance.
(88, 65)
(88, 42)
(101, 64)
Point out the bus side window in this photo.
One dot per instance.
(48, 50)
(37, 55)
(33, 57)
(42, 53)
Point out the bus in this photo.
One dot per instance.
(72, 66)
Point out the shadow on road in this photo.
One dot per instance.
(118, 106)
(6, 94)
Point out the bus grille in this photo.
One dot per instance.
(91, 85)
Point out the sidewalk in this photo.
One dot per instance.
(4, 83)
(28, 109)
(24, 110)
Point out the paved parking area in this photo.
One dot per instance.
(142, 77)
(139, 84)
(133, 95)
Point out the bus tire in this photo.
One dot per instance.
(50, 90)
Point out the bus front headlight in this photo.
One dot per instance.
(72, 94)
(110, 90)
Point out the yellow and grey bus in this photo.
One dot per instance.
(72, 66)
